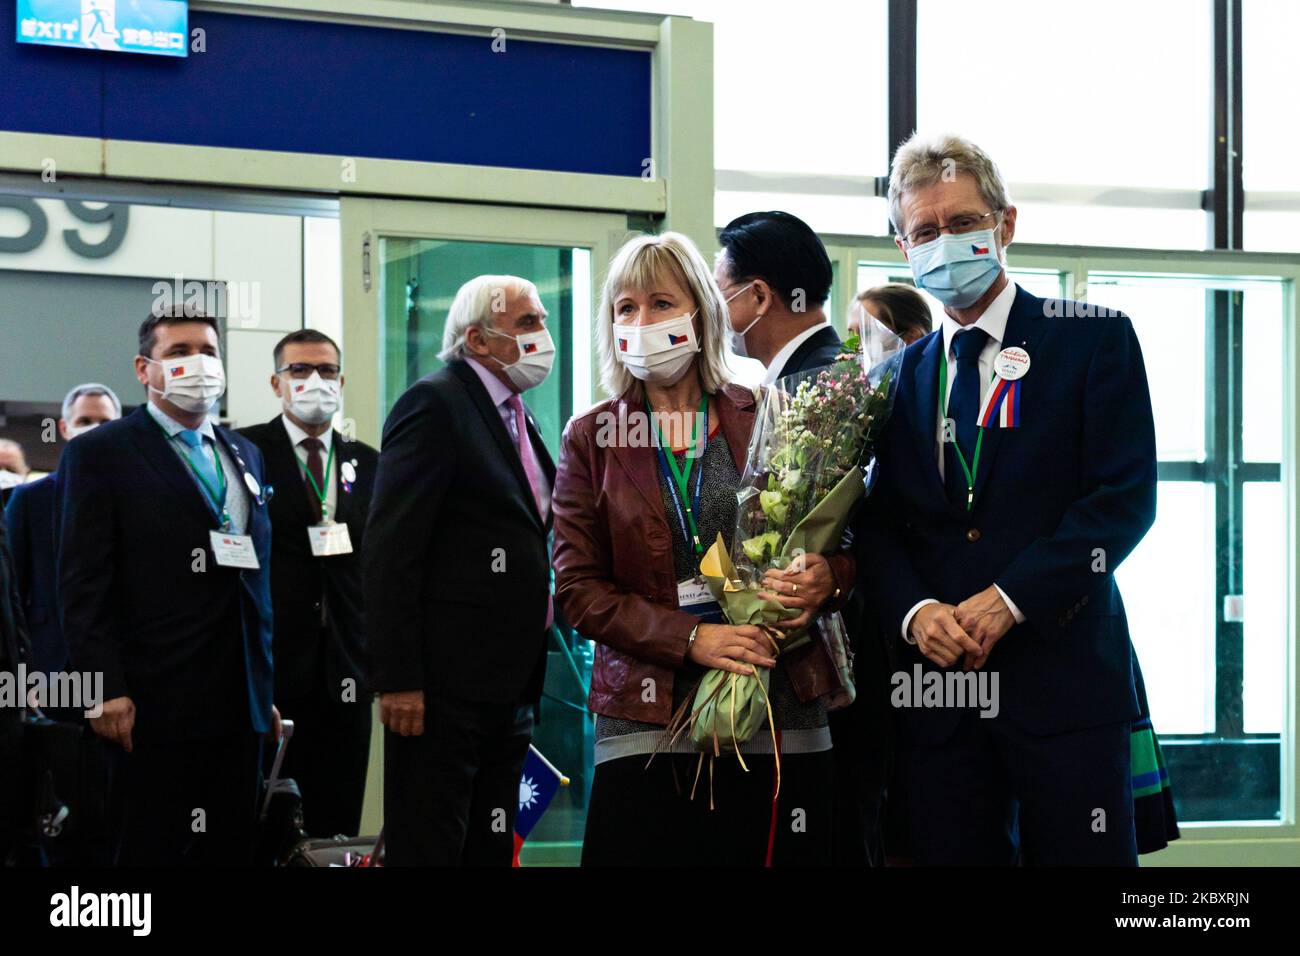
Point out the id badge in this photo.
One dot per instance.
(233, 550)
(329, 539)
(694, 597)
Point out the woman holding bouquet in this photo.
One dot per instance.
(646, 483)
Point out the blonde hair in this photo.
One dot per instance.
(641, 264)
(925, 160)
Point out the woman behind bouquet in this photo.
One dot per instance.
(636, 505)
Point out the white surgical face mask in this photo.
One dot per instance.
(192, 382)
(9, 479)
(75, 430)
(660, 353)
(536, 356)
(737, 339)
(313, 399)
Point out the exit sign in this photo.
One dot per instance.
(159, 27)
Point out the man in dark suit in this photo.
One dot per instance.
(15, 788)
(457, 576)
(776, 275)
(32, 515)
(164, 588)
(1018, 470)
(323, 479)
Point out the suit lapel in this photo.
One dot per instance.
(237, 487)
(284, 473)
(923, 407)
(153, 443)
(497, 429)
(1022, 331)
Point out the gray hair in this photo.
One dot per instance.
(925, 160)
(474, 305)
(640, 264)
(90, 388)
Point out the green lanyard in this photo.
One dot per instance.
(683, 479)
(969, 472)
(217, 495)
(316, 489)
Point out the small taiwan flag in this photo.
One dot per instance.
(177, 370)
(299, 388)
(622, 345)
(676, 339)
(979, 250)
(530, 347)
(538, 785)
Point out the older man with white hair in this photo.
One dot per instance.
(32, 515)
(1018, 471)
(457, 582)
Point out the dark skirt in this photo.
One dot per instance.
(644, 816)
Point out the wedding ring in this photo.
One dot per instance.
(794, 588)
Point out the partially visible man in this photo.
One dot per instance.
(1018, 471)
(13, 468)
(318, 517)
(15, 788)
(457, 578)
(776, 276)
(32, 515)
(164, 588)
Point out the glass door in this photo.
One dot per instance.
(402, 265)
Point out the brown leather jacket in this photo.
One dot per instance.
(613, 561)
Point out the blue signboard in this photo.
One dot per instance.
(159, 27)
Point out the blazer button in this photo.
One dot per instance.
(1085, 599)
(973, 534)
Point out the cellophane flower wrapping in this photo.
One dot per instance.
(809, 465)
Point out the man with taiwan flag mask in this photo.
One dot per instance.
(324, 477)
(1018, 471)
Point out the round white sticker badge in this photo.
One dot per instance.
(349, 473)
(253, 486)
(1011, 364)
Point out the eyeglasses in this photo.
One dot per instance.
(958, 225)
(304, 370)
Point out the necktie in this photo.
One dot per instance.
(315, 468)
(532, 472)
(204, 465)
(963, 408)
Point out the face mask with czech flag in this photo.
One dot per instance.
(660, 353)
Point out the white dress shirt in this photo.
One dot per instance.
(296, 437)
(994, 323)
(775, 366)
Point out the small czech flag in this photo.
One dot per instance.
(676, 339)
(979, 250)
(530, 347)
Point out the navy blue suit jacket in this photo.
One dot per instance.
(143, 599)
(1059, 502)
(32, 515)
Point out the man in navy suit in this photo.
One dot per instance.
(1018, 471)
(164, 588)
(33, 518)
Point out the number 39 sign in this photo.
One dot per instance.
(38, 226)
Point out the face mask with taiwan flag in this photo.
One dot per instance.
(660, 353)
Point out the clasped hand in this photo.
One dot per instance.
(969, 630)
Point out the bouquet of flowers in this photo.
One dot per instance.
(809, 465)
